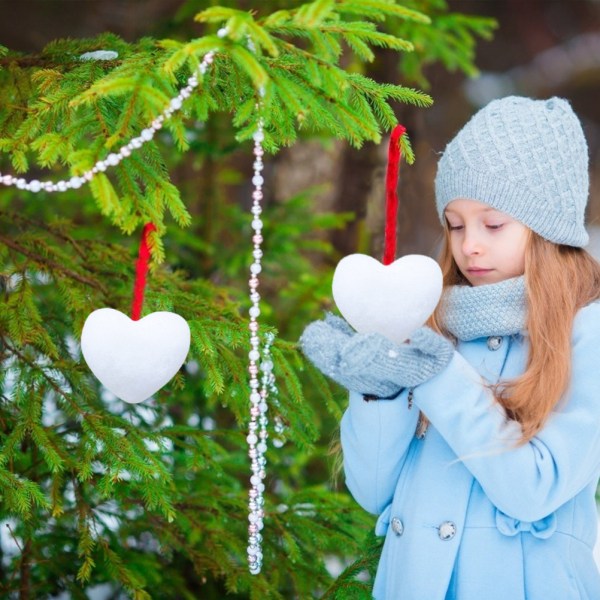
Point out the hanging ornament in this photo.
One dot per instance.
(260, 360)
(133, 357)
(394, 298)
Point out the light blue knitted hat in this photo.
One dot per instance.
(527, 158)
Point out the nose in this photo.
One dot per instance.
(472, 244)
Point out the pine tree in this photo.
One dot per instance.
(150, 500)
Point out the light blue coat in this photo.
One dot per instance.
(466, 514)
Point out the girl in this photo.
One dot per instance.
(477, 443)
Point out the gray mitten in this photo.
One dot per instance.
(372, 355)
(323, 342)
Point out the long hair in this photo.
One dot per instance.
(559, 280)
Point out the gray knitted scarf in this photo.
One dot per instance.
(496, 309)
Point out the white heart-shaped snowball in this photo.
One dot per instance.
(134, 359)
(394, 300)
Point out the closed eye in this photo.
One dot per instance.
(455, 227)
(495, 226)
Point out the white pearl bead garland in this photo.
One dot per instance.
(259, 392)
(113, 159)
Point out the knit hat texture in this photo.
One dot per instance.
(527, 158)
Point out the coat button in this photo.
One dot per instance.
(447, 530)
(397, 526)
(494, 342)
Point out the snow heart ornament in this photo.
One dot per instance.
(393, 300)
(134, 358)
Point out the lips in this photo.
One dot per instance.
(478, 271)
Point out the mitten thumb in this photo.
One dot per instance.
(428, 342)
(321, 344)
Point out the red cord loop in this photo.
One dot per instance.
(391, 195)
(141, 270)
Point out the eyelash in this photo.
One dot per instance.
(459, 227)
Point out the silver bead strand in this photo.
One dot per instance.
(257, 427)
(114, 158)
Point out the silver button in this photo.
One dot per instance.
(397, 526)
(447, 530)
(494, 342)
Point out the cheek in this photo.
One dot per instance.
(519, 264)
(455, 247)
(519, 255)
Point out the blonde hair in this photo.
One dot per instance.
(559, 280)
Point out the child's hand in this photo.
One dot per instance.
(371, 364)
(407, 365)
(323, 343)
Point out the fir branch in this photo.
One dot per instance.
(348, 586)
(381, 9)
(42, 261)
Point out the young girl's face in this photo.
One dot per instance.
(487, 245)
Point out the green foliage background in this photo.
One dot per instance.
(150, 500)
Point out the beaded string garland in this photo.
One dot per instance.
(259, 359)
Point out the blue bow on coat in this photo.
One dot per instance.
(541, 529)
